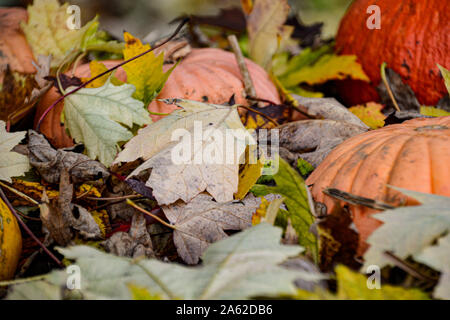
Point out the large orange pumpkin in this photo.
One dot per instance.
(414, 37)
(210, 75)
(414, 155)
(14, 49)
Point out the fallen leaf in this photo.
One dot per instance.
(313, 140)
(407, 231)
(49, 162)
(328, 108)
(264, 25)
(248, 176)
(145, 73)
(12, 164)
(304, 167)
(438, 258)
(47, 32)
(328, 67)
(134, 243)
(202, 221)
(97, 68)
(242, 266)
(446, 75)
(291, 186)
(96, 117)
(370, 114)
(433, 112)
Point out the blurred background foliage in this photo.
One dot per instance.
(149, 19)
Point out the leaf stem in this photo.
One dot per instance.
(386, 84)
(134, 205)
(27, 230)
(106, 72)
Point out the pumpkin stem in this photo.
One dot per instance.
(108, 71)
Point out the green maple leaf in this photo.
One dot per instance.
(96, 117)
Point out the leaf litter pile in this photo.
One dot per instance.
(91, 181)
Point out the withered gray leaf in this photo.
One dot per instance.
(136, 243)
(312, 140)
(328, 108)
(202, 221)
(404, 95)
(54, 225)
(83, 221)
(50, 162)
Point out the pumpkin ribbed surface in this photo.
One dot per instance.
(414, 37)
(414, 155)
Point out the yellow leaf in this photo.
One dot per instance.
(446, 75)
(145, 73)
(141, 293)
(328, 67)
(247, 6)
(433, 112)
(370, 114)
(10, 243)
(248, 177)
(96, 69)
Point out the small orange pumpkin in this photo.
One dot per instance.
(414, 155)
(14, 48)
(414, 37)
(212, 75)
(209, 75)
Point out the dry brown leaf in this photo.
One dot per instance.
(312, 140)
(202, 221)
(50, 162)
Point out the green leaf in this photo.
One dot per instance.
(304, 167)
(433, 112)
(292, 187)
(328, 67)
(265, 27)
(95, 117)
(47, 31)
(12, 164)
(145, 73)
(446, 74)
(242, 266)
(353, 286)
(407, 231)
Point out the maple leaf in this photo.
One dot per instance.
(370, 114)
(47, 31)
(264, 25)
(171, 181)
(145, 73)
(291, 186)
(242, 266)
(433, 112)
(94, 117)
(12, 164)
(408, 231)
(202, 221)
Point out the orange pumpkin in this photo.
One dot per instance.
(414, 155)
(213, 76)
(414, 37)
(210, 75)
(14, 49)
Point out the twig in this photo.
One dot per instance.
(27, 217)
(131, 203)
(260, 113)
(407, 267)
(129, 196)
(20, 194)
(386, 83)
(84, 84)
(27, 230)
(248, 83)
(357, 200)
